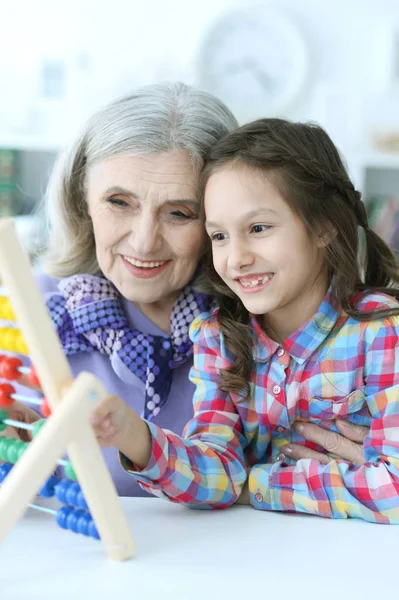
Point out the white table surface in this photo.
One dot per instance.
(186, 554)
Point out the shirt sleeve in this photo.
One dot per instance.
(206, 467)
(339, 489)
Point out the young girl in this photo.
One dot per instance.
(304, 331)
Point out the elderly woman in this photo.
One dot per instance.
(123, 265)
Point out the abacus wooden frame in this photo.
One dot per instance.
(68, 427)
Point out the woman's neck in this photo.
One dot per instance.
(159, 313)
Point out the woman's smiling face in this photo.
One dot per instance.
(148, 234)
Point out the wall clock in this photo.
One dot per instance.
(255, 60)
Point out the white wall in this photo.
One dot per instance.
(125, 43)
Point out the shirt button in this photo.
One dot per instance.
(276, 389)
(280, 352)
(279, 429)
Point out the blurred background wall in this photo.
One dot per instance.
(61, 60)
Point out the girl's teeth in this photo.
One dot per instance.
(255, 282)
(145, 265)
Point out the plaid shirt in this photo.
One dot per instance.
(318, 374)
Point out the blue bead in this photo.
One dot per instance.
(83, 523)
(4, 470)
(48, 489)
(62, 516)
(71, 493)
(92, 530)
(61, 489)
(80, 500)
(72, 521)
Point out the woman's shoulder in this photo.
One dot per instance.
(47, 284)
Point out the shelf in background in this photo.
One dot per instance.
(374, 159)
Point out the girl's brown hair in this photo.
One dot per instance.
(306, 167)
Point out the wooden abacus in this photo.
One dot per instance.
(67, 428)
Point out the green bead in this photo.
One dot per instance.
(3, 447)
(36, 427)
(3, 417)
(69, 472)
(13, 450)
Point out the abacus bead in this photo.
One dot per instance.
(36, 427)
(3, 447)
(62, 516)
(48, 489)
(84, 522)
(69, 471)
(13, 450)
(33, 378)
(9, 368)
(4, 470)
(3, 416)
(71, 493)
(81, 500)
(6, 310)
(44, 408)
(61, 489)
(5, 394)
(92, 531)
(72, 520)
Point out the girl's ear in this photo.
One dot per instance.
(325, 237)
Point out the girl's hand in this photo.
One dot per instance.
(20, 412)
(347, 444)
(116, 424)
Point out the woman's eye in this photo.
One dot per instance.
(181, 215)
(260, 228)
(117, 202)
(218, 237)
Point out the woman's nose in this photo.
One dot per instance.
(145, 237)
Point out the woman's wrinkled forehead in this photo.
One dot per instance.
(169, 175)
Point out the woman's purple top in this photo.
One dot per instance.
(174, 414)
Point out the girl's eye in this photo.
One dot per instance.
(117, 202)
(218, 237)
(260, 228)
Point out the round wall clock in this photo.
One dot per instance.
(255, 60)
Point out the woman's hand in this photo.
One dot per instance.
(347, 444)
(116, 424)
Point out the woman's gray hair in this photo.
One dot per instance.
(162, 117)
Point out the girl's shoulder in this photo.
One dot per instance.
(205, 329)
(376, 301)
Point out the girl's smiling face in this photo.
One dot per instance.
(148, 234)
(262, 250)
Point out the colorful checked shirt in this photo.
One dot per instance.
(320, 373)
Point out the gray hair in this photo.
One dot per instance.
(162, 117)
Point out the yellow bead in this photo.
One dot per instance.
(12, 340)
(6, 311)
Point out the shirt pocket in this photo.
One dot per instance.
(325, 409)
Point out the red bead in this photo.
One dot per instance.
(9, 368)
(44, 408)
(33, 379)
(5, 395)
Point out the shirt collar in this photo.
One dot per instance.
(304, 341)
